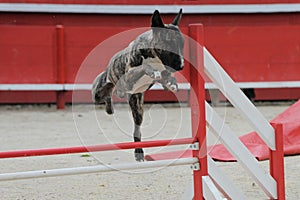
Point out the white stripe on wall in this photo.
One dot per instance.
(181, 86)
(148, 9)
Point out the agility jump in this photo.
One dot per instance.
(207, 177)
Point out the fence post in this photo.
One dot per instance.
(277, 161)
(197, 104)
(60, 65)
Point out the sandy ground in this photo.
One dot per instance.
(30, 127)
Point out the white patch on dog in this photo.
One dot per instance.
(145, 81)
(155, 63)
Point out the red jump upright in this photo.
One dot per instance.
(197, 104)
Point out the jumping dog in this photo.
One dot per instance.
(152, 57)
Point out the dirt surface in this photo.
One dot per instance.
(34, 127)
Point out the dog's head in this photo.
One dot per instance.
(168, 41)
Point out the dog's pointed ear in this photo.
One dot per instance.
(156, 20)
(177, 19)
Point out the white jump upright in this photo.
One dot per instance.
(270, 183)
(233, 93)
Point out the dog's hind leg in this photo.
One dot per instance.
(102, 92)
(136, 102)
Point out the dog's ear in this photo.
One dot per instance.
(156, 20)
(177, 19)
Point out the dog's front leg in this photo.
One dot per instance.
(132, 76)
(135, 73)
(152, 73)
(136, 104)
(127, 81)
(171, 84)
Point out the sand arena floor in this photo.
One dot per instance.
(30, 127)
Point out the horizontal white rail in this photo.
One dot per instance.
(233, 93)
(67, 87)
(31, 87)
(261, 85)
(44, 87)
(240, 152)
(269, 84)
(81, 86)
(95, 169)
(149, 9)
(181, 86)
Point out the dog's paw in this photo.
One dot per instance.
(109, 110)
(139, 155)
(156, 75)
(109, 107)
(172, 87)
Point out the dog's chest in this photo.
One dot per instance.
(145, 81)
(155, 63)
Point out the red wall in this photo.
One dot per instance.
(251, 47)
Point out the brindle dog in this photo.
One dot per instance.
(152, 57)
